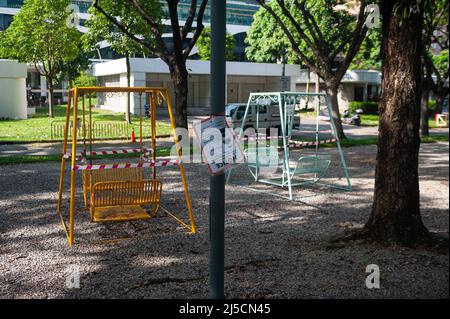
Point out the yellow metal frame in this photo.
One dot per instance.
(157, 97)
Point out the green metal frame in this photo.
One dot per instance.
(286, 102)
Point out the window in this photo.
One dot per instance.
(359, 94)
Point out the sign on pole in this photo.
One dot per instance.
(220, 149)
(285, 83)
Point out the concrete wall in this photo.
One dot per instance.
(13, 97)
(242, 78)
(346, 94)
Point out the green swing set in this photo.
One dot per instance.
(307, 169)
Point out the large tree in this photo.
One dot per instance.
(323, 37)
(174, 51)
(41, 35)
(395, 214)
(102, 29)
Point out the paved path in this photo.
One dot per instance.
(307, 130)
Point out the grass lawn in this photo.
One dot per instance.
(38, 127)
(306, 112)
(372, 120)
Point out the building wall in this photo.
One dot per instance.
(109, 101)
(369, 82)
(13, 99)
(238, 89)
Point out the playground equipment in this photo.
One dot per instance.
(442, 120)
(117, 192)
(306, 169)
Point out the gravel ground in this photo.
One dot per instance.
(274, 248)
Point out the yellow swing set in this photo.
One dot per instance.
(117, 192)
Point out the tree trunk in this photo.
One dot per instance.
(180, 81)
(127, 111)
(50, 96)
(332, 91)
(69, 80)
(395, 214)
(440, 97)
(424, 128)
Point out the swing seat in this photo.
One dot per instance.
(119, 194)
(124, 200)
(90, 178)
(312, 165)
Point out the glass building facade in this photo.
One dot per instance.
(239, 13)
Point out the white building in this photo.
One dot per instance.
(356, 85)
(13, 98)
(242, 78)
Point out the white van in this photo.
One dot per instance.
(269, 116)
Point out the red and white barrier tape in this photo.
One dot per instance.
(163, 163)
(111, 152)
(299, 144)
(260, 138)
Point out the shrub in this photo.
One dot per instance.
(431, 107)
(369, 108)
(85, 80)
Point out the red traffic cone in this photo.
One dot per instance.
(133, 137)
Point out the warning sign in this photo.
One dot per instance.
(218, 141)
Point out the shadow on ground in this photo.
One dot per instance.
(274, 248)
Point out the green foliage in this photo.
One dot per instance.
(266, 39)
(72, 69)
(441, 62)
(100, 28)
(431, 106)
(40, 34)
(369, 55)
(3, 54)
(369, 108)
(85, 80)
(204, 45)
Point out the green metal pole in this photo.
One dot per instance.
(217, 183)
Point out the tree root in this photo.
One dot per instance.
(436, 242)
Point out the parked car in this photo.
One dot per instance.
(269, 116)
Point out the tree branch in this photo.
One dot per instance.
(357, 38)
(124, 29)
(312, 25)
(176, 32)
(312, 45)
(309, 63)
(38, 68)
(162, 49)
(190, 19)
(198, 30)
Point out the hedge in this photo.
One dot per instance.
(369, 108)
